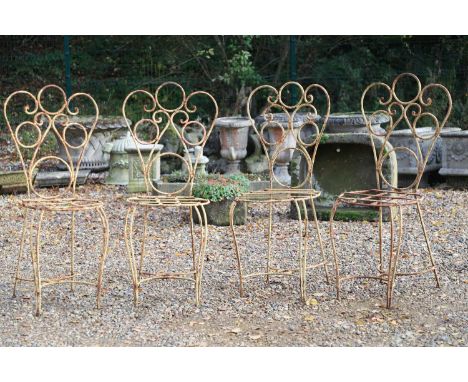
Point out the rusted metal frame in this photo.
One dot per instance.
(332, 239)
(104, 253)
(319, 236)
(428, 246)
(380, 238)
(137, 272)
(192, 237)
(301, 253)
(232, 208)
(393, 259)
(169, 203)
(166, 277)
(64, 280)
(377, 204)
(128, 233)
(21, 251)
(289, 194)
(72, 250)
(40, 282)
(270, 229)
(162, 274)
(25, 279)
(383, 276)
(63, 205)
(418, 272)
(202, 250)
(143, 240)
(158, 111)
(416, 105)
(302, 248)
(36, 260)
(44, 121)
(284, 272)
(395, 197)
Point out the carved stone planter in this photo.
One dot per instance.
(233, 135)
(118, 162)
(136, 182)
(217, 213)
(455, 157)
(407, 170)
(94, 158)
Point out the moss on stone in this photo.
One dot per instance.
(349, 215)
(324, 138)
(342, 214)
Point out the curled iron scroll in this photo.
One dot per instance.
(405, 113)
(44, 120)
(304, 104)
(179, 118)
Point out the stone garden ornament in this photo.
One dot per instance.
(41, 121)
(183, 119)
(306, 138)
(406, 114)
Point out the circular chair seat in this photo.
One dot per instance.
(63, 204)
(167, 201)
(380, 198)
(272, 195)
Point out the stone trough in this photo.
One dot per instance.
(345, 162)
(455, 157)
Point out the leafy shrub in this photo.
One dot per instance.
(216, 187)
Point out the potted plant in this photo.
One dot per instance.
(221, 190)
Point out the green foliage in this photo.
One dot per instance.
(176, 176)
(216, 187)
(240, 69)
(325, 137)
(109, 67)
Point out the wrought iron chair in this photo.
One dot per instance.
(386, 195)
(299, 195)
(44, 123)
(160, 121)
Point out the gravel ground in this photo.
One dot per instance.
(270, 314)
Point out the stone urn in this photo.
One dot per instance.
(287, 148)
(118, 162)
(136, 181)
(94, 158)
(233, 135)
